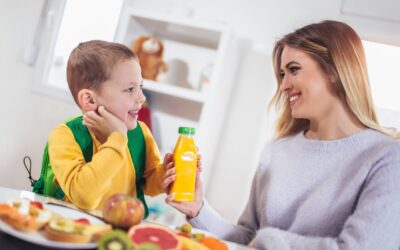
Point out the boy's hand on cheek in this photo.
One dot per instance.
(104, 122)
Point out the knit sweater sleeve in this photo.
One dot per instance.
(374, 224)
(244, 231)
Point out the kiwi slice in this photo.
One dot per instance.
(147, 246)
(115, 240)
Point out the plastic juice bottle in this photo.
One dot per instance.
(185, 161)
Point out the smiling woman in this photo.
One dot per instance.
(330, 179)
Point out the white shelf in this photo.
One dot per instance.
(173, 91)
(177, 20)
(181, 29)
(193, 50)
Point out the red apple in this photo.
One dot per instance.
(123, 211)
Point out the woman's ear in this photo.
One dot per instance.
(87, 100)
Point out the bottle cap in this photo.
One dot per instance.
(186, 130)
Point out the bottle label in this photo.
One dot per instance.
(188, 156)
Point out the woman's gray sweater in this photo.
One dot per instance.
(309, 194)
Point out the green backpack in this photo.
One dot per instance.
(137, 147)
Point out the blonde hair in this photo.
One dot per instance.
(338, 50)
(90, 64)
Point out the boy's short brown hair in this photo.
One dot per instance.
(91, 63)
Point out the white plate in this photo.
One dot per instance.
(39, 239)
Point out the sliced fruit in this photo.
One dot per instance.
(198, 236)
(158, 235)
(24, 223)
(82, 221)
(62, 225)
(189, 244)
(37, 204)
(6, 209)
(24, 215)
(44, 216)
(213, 243)
(184, 235)
(147, 246)
(116, 239)
(67, 230)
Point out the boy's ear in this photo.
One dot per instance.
(87, 100)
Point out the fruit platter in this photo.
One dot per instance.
(51, 225)
(122, 227)
(126, 213)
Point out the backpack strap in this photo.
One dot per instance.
(137, 149)
(46, 185)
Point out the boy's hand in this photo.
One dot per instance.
(169, 173)
(104, 122)
(191, 209)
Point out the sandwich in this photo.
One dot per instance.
(74, 231)
(25, 215)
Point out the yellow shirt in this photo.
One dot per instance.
(88, 185)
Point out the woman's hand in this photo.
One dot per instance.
(103, 123)
(191, 209)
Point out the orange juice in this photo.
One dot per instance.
(185, 161)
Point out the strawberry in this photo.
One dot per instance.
(37, 204)
(184, 235)
(82, 221)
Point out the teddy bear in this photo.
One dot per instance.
(150, 53)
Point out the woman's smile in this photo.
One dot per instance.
(293, 98)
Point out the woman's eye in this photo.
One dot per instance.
(282, 75)
(293, 69)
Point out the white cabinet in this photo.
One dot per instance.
(191, 48)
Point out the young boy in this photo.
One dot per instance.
(108, 150)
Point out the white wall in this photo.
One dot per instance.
(28, 117)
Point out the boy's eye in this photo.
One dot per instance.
(131, 89)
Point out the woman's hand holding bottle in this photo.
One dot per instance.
(189, 208)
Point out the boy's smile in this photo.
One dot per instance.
(122, 94)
